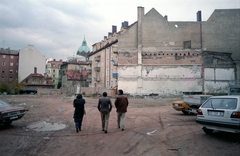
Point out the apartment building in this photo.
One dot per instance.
(9, 65)
(52, 70)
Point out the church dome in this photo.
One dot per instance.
(84, 48)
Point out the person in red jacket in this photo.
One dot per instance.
(121, 104)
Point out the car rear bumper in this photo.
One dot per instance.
(234, 126)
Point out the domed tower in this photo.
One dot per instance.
(83, 50)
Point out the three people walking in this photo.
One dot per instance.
(104, 107)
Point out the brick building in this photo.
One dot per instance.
(9, 65)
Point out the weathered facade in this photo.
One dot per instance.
(73, 75)
(156, 56)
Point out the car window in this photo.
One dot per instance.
(2, 103)
(221, 103)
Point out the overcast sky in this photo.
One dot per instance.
(57, 27)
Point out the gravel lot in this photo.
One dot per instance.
(153, 128)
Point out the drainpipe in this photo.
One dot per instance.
(139, 44)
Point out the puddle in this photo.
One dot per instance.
(44, 126)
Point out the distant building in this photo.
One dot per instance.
(35, 80)
(30, 57)
(9, 65)
(73, 75)
(52, 70)
(83, 50)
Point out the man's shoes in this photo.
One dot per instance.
(77, 130)
(102, 129)
(118, 126)
(105, 131)
(122, 129)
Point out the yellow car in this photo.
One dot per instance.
(180, 106)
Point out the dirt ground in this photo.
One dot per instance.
(153, 128)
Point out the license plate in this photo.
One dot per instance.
(14, 117)
(13, 113)
(213, 113)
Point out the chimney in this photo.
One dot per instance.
(199, 16)
(165, 17)
(125, 24)
(35, 70)
(114, 29)
(109, 34)
(105, 37)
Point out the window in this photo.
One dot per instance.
(53, 76)
(3, 71)
(3, 63)
(54, 70)
(16, 64)
(10, 79)
(187, 44)
(11, 71)
(4, 56)
(53, 81)
(11, 56)
(2, 78)
(16, 71)
(221, 103)
(11, 63)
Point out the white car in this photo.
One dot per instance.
(221, 113)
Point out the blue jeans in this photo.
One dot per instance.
(78, 124)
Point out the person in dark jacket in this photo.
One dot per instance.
(105, 107)
(79, 111)
(121, 103)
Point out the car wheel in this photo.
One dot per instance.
(8, 122)
(185, 112)
(207, 131)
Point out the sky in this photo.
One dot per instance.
(57, 28)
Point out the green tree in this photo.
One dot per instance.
(17, 87)
(4, 87)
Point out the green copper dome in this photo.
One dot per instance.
(84, 48)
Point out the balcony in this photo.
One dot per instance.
(96, 79)
(115, 75)
(115, 49)
(97, 69)
(97, 58)
(89, 71)
(89, 80)
(89, 62)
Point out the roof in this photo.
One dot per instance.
(76, 75)
(83, 48)
(8, 51)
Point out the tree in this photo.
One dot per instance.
(4, 87)
(17, 87)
